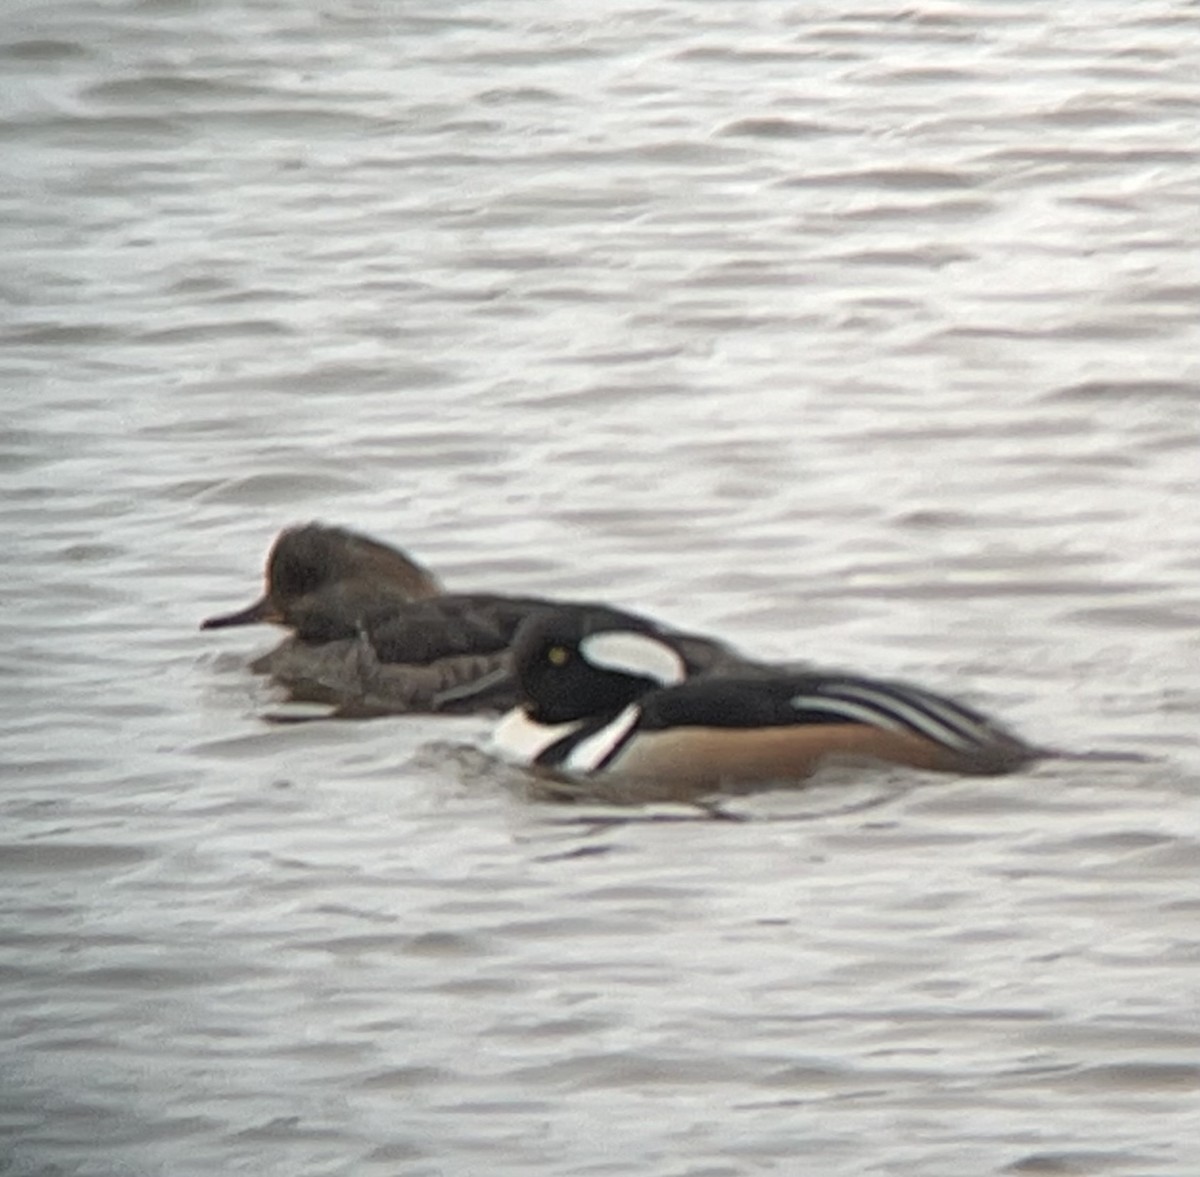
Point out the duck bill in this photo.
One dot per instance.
(263, 610)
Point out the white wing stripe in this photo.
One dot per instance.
(934, 706)
(926, 713)
(847, 710)
(883, 708)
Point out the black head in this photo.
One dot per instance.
(585, 662)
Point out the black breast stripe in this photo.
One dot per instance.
(594, 744)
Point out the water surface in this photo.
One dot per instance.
(865, 334)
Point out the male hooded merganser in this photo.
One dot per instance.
(599, 699)
(373, 632)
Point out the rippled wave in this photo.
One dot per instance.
(864, 335)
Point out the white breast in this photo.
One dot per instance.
(518, 739)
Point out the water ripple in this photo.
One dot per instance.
(864, 336)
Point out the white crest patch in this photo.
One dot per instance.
(517, 739)
(590, 754)
(634, 653)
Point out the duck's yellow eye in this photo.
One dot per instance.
(558, 655)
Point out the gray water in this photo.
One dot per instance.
(866, 334)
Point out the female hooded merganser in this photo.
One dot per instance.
(375, 633)
(603, 699)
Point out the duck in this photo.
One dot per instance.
(603, 701)
(373, 632)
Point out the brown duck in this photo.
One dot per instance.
(373, 632)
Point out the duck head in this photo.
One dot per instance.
(580, 664)
(329, 573)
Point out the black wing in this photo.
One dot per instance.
(741, 702)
